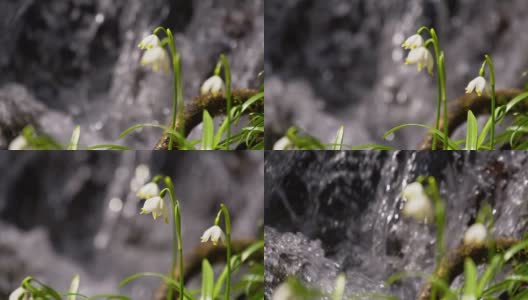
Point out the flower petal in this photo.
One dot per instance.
(413, 41)
(149, 42)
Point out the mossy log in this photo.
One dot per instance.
(479, 105)
(192, 263)
(452, 265)
(215, 104)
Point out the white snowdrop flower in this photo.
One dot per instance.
(19, 143)
(284, 292)
(213, 85)
(418, 205)
(157, 207)
(283, 143)
(214, 234)
(149, 42)
(142, 173)
(20, 293)
(149, 190)
(422, 57)
(475, 234)
(413, 41)
(478, 85)
(157, 59)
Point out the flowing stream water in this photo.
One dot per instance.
(331, 212)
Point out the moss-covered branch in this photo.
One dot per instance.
(479, 105)
(193, 262)
(452, 265)
(215, 105)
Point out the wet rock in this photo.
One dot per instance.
(18, 108)
(287, 255)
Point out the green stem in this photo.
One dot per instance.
(439, 208)
(441, 69)
(177, 250)
(227, 75)
(177, 106)
(441, 98)
(493, 100)
(227, 220)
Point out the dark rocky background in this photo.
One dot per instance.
(69, 62)
(328, 212)
(58, 219)
(333, 62)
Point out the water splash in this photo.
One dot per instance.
(348, 204)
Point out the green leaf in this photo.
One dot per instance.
(339, 289)
(471, 132)
(338, 144)
(484, 133)
(169, 281)
(139, 126)
(470, 274)
(252, 100)
(108, 147)
(489, 273)
(74, 140)
(109, 297)
(207, 280)
(303, 142)
(515, 101)
(236, 261)
(515, 249)
(435, 281)
(74, 286)
(184, 144)
(207, 131)
(259, 245)
(372, 147)
(220, 281)
(443, 138)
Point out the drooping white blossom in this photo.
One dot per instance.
(214, 234)
(418, 205)
(157, 207)
(478, 85)
(421, 57)
(149, 42)
(157, 59)
(149, 190)
(19, 143)
(284, 143)
(213, 85)
(20, 293)
(284, 292)
(475, 234)
(413, 41)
